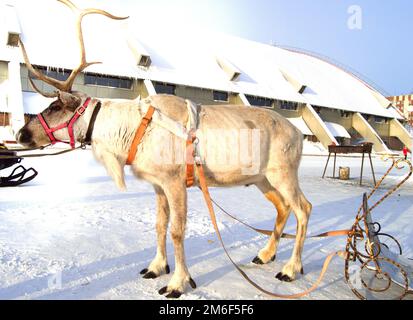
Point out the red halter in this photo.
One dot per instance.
(68, 124)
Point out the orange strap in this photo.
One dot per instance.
(190, 163)
(146, 120)
(208, 200)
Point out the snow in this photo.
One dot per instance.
(70, 234)
(314, 148)
(300, 124)
(337, 130)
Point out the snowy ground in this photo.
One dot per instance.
(69, 234)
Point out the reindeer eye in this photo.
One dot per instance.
(55, 108)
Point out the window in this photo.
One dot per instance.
(108, 81)
(317, 109)
(288, 105)
(345, 114)
(366, 117)
(165, 88)
(220, 96)
(379, 120)
(13, 39)
(260, 102)
(58, 74)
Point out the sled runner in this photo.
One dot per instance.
(19, 175)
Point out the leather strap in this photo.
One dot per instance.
(146, 120)
(88, 137)
(334, 233)
(190, 163)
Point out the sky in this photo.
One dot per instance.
(370, 37)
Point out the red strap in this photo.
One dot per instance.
(79, 112)
(69, 125)
(46, 128)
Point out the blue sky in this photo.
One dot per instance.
(381, 50)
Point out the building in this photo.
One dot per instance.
(324, 101)
(404, 104)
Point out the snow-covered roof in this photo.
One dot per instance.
(300, 124)
(337, 130)
(396, 113)
(187, 57)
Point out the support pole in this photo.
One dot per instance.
(372, 170)
(328, 161)
(362, 169)
(334, 169)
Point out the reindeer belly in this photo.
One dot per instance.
(233, 154)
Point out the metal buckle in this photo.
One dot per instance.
(80, 111)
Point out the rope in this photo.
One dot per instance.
(40, 155)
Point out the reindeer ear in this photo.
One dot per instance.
(70, 101)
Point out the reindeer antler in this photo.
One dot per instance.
(66, 85)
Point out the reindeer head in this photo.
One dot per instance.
(33, 134)
(61, 110)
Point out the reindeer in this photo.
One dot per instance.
(280, 151)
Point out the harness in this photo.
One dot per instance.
(187, 133)
(70, 124)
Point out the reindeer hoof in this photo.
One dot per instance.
(273, 258)
(192, 283)
(283, 277)
(257, 261)
(150, 275)
(175, 294)
(163, 290)
(302, 271)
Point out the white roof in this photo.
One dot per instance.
(186, 57)
(337, 130)
(300, 124)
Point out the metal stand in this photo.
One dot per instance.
(367, 148)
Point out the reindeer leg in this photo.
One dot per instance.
(177, 199)
(159, 265)
(287, 185)
(113, 166)
(283, 212)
